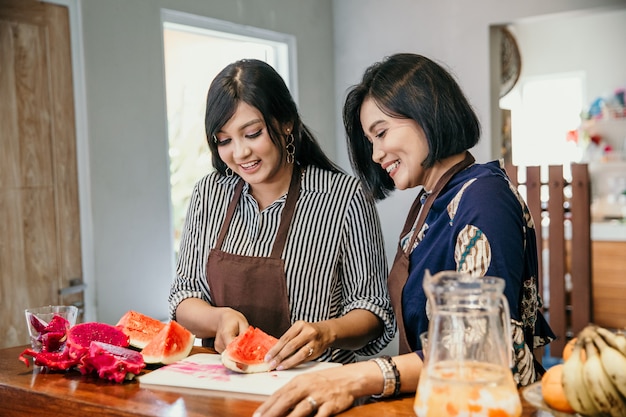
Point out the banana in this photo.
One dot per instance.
(613, 362)
(615, 340)
(574, 387)
(603, 393)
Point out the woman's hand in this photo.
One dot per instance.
(321, 393)
(230, 324)
(331, 391)
(301, 343)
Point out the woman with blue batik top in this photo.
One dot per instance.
(409, 126)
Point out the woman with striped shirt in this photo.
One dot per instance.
(277, 236)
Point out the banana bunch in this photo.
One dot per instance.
(594, 376)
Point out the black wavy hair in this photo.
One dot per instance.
(257, 84)
(409, 86)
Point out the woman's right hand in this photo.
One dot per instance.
(231, 323)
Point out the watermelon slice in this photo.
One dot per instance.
(246, 352)
(171, 344)
(141, 329)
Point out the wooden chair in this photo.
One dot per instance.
(560, 205)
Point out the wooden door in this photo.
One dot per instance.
(39, 212)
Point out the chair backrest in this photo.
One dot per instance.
(561, 208)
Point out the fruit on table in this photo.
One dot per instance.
(552, 389)
(81, 335)
(111, 362)
(92, 347)
(594, 375)
(171, 344)
(569, 347)
(52, 335)
(246, 352)
(140, 328)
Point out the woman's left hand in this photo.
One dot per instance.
(301, 343)
(321, 393)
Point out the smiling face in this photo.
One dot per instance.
(399, 145)
(244, 144)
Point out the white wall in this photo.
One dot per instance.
(125, 94)
(594, 44)
(452, 32)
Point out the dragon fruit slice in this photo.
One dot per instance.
(37, 323)
(51, 335)
(52, 341)
(54, 361)
(90, 348)
(111, 362)
(81, 335)
(57, 324)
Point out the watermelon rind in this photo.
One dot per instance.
(246, 352)
(140, 328)
(173, 343)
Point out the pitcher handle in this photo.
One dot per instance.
(506, 321)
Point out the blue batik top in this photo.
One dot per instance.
(480, 225)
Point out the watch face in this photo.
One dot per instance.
(510, 61)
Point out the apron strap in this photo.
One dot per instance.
(287, 215)
(430, 198)
(229, 214)
(401, 265)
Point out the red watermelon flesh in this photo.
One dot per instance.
(170, 345)
(246, 352)
(80, 336)
(141, 329)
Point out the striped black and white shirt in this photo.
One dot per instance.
(334, 254)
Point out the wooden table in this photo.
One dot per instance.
(29, 392)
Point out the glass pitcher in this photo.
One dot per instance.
(467, 357)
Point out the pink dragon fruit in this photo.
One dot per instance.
(111, 362)
(91, 348)
(81, 335)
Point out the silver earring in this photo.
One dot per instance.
(291, 149)
(228, 172)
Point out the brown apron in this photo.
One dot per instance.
(400, 270)
(254, 286)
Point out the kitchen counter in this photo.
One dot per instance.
(29, 392)
(610, 231)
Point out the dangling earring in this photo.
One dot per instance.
(229, 172)
(290, 148)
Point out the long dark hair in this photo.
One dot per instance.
(257, 84)
(409, 86)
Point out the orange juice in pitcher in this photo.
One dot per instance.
(476, 390)
(467, 357)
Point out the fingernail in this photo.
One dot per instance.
(267, 357)
(280, 368)
(256, 414)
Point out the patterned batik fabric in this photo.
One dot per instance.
(480, 225)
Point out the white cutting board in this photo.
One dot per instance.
(205, 371)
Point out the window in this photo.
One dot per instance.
(543, 111)
(195, 49)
